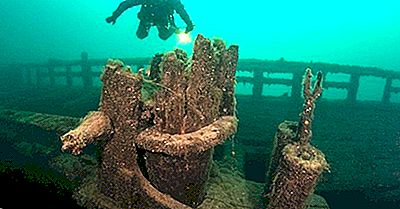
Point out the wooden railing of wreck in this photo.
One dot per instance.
(296, 69)
(86, 73)
(257, 67)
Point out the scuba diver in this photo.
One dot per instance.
(159, 13)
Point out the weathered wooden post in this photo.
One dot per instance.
(387, 91)
(296, 165)
(68, 75)
(257, 83)
(86, 70)
(50, 71)
(353, 88)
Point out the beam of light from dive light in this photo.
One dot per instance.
(184, 38)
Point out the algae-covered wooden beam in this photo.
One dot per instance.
(170, 101)
(190, 119)
(194, 142)
(227, 80)
(196, 91)
(296, 165)
(297, 176)
(203, 98)
(94, 126)
(48, 122)
(304, 133)
(285, 135)
(121, 101)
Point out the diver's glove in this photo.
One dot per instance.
(189, 27)
(111, 19)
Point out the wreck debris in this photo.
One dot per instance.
(296, 165)
(174, 133)
(188, 122)
(306, 117)
(94, 126)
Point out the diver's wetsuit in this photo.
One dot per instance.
(159, 13)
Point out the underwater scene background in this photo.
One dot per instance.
(53, 53)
